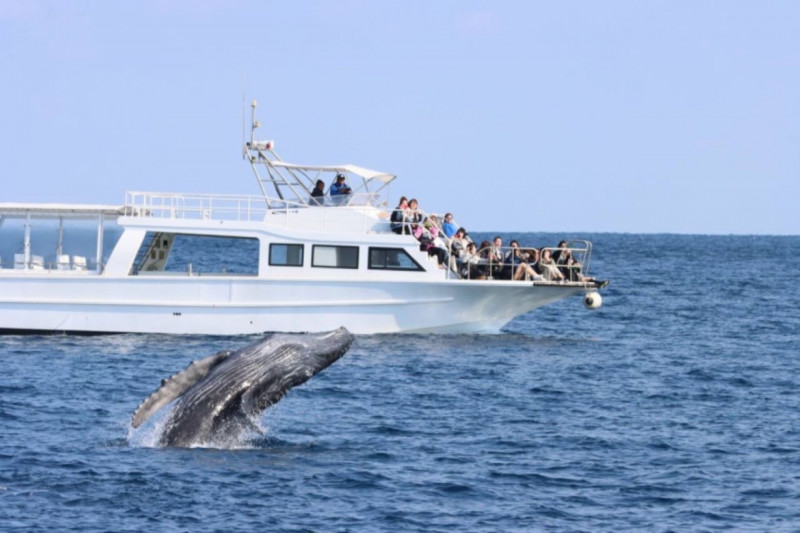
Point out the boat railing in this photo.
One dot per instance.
(275, 211)
(194, 206)
(491, 262)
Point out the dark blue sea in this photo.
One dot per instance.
(674, 407)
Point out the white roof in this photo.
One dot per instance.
(365, 173)
(8, 209)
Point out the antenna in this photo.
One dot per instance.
(253, 122)
(244, 146)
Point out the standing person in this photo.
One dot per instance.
(449, 227)
(339, 188)
(318, 194)
(398, 216)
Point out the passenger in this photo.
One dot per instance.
(427, 235)
(449, 227)
(547, 267)
(568, 265)
(474, 266)
(318, 194)
(458, 249)
(398, 216)
(432, 221)
(519, 260)
(458, 244)
(495, 257)
(511, 261)
(562, 256)
(485, 251)
(340, 188)
(532, 255)
(413, 215)
(563, 250)
(434, 226)
(575, 273)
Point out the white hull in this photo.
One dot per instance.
(231, 306)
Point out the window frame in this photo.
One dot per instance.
(418, 268)
(287, 244)
(314, 249)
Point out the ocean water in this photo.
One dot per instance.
(676, 406)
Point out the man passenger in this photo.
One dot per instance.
(339, 187)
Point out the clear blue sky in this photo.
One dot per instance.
(674, 116)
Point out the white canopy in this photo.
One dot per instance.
(9, 209)
(365, 173)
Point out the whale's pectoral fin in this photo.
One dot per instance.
(174, 386)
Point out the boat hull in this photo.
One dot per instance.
(232, 306)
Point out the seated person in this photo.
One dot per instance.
(398, 216)
(339, 188)
(495, 256)
(522, 262)
(548, 268)
(458, 244)
(512, 262)
(413, 214)
(427, 234)
(568, 265)
(318, 194)
(449, 227)
(474, 266)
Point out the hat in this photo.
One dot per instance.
(339, 176)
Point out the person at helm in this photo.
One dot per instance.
(339, 187)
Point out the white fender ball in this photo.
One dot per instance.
(592, 300)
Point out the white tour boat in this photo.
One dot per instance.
(223, 264)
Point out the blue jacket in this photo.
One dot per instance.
(337, 189)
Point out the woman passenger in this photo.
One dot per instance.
(474, 263)
(548, 267)
(458, 244)
(398, 215)
(412, 214)
(517, 261)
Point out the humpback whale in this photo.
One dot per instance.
(219, 397)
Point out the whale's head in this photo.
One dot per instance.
(265, 371)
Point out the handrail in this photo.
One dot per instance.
(358, 214)
(482, 265)
(194, 206)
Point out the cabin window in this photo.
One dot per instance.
(334, 256)
(391, 259)
(197, 254)
(66, 243)
(286, 254)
